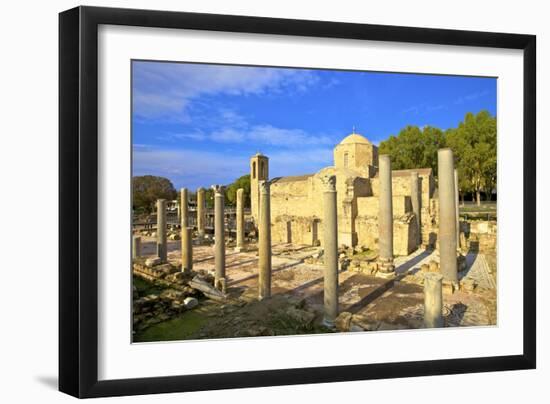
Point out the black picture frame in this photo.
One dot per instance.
(78, 201)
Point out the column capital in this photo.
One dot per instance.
(329, 183)
(200, 189)
(218, 190)
(433, 277)
(240, 191)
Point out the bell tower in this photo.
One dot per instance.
(259, 171)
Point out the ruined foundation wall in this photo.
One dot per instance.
(297, 230)
(404, 233)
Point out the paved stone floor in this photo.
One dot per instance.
(383, 304)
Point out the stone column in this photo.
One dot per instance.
(219, 236)
(385, 218)
(447, 215)
(457, 197)
(416, 202)
(136, 246)
(187, 249)
(200, 212)
(184, 208)
(184, 222)
(162, 250)
(330, 241)
(240, 220)
(433, 300)
(264, 242)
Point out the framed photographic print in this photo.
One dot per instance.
(250, 201)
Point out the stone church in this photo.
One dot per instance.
(297, 207)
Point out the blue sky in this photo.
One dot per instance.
(198, 124)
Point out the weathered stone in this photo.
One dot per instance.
(264, 244)
(219, 234)
(448, 287)
(457, 215)
(151, 262)
(201, 213)
(447, 215)
(416, 202)
(136, 247)
(162, 245)
(433, 300)
(343, 321)
(330, 240)
(190, 302)
(385, 218)
(240, 220)
(468, 285)
(433, 266)
(187, 249)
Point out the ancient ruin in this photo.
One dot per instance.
(356, 246)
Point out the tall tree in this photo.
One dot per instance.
(474, 143)
(231, 190)
(414, 147)
(147, 189)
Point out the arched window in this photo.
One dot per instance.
(345, 160)
(262, 172)
(253, 170)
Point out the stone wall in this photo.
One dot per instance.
(404, 233)
(297, 230)
(480, 235)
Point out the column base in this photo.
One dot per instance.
(239, 249)
(385, 275)
(220, 284)
(262, 298)
(449, 287)
(386, 269)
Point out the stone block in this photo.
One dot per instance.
(151, 262)
(449, 287)
(190, 302)
(343, 321)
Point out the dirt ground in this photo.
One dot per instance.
(296, 305)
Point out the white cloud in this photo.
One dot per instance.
(166, 89)
(471, 97)
(267, 134)
(194, 168)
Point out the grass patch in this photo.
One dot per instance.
(366, 254)
(179, 328)
(145, 287)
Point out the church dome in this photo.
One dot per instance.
(355, 138)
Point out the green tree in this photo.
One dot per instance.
(231, 190)
(474, 144)
(414, 147)
(147, 189)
